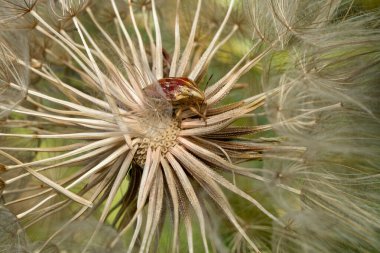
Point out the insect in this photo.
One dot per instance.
(182, 93)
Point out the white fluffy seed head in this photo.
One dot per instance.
(68, 8)
(14, 75)
(328, 104)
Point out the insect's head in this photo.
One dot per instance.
(190, 93)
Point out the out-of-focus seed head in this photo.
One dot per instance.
(14, 78)
(12, 236)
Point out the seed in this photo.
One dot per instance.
(2, 168)
(2, 186)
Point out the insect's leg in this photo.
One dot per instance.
(204, 114)
(178, 114)
(200, 106)
(194, 110)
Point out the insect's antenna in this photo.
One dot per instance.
(208, 81)
(167, 57)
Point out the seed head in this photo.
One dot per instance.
(108, 139)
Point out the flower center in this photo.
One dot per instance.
(164, 139)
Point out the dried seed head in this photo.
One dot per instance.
(95, 107)
(163, 139)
